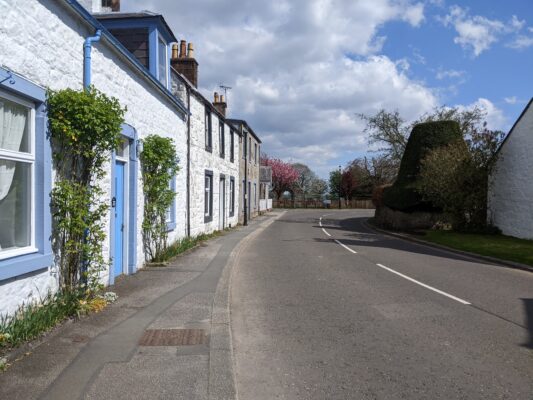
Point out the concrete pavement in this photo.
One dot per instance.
(100, 357)
(315, 317)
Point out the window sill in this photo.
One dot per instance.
(20, 265)
(171, 226)
(17, 252)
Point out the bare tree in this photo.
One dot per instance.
(306, 177)
(390, 130)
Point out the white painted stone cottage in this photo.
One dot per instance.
(511, 182)
(42, 47)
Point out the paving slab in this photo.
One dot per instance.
(99, 357)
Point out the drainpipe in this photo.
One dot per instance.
(189, 162)
(246, 194)
(87, 45)
(86, 83)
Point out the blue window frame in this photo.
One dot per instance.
(162, 61)
(25, 187)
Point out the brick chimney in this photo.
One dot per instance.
(220, 104)
(183, 61)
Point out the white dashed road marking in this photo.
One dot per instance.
(398, 273)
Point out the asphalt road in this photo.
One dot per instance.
(340, 312)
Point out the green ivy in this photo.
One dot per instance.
(84, 128)
(159, 164)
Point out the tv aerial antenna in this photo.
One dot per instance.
(225, 89)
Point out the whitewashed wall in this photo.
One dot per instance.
(202, 160)
(43, 42)
(511, 183)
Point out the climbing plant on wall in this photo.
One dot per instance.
(159, 164)
(84, 128)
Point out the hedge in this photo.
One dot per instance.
(424, 137)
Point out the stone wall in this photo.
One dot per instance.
(400, 221)
(43, 41)
(511, 183)
(202, 160)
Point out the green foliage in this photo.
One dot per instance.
(424, 137)
(335, 183)
(455, 178)
(185, 244)
(159, 164)
(492, 245)
(32, 320)
(390, 130)
(84, 128)
(78, 215)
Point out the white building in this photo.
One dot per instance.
(511, 182)
(214, 150)
(42, 47)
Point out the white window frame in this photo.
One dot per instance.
(159, 40)
(28, 158)
(208, 193)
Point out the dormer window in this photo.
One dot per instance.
(162, 61)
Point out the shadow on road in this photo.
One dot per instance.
(356, 234)
(528, 310)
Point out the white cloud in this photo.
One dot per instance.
(521, 42)
(478, 33)
(511, 100)
(449, 74)
(495, 117)
(301, 69)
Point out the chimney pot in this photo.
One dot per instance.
(216, 97)
(175, 51)
(222, 98)
(186, 64)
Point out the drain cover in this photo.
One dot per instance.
(172, 337)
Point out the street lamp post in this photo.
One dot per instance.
(340, 181)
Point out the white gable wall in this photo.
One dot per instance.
(43, 42)
(511, 183)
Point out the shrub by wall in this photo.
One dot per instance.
(424, 137)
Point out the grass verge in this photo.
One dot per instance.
(185, 244)
(497, 246)
(32, 320)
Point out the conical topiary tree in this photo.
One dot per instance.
(424, 137)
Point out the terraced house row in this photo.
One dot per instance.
(135, 58)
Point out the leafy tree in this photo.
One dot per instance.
(455, 178)
(335, 183)
(159, 164)
(348, 184)
(284, 175)
(84, 128)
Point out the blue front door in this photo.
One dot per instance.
(118, 256)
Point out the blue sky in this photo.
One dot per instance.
(301, 70)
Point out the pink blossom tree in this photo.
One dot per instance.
(284, 175)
